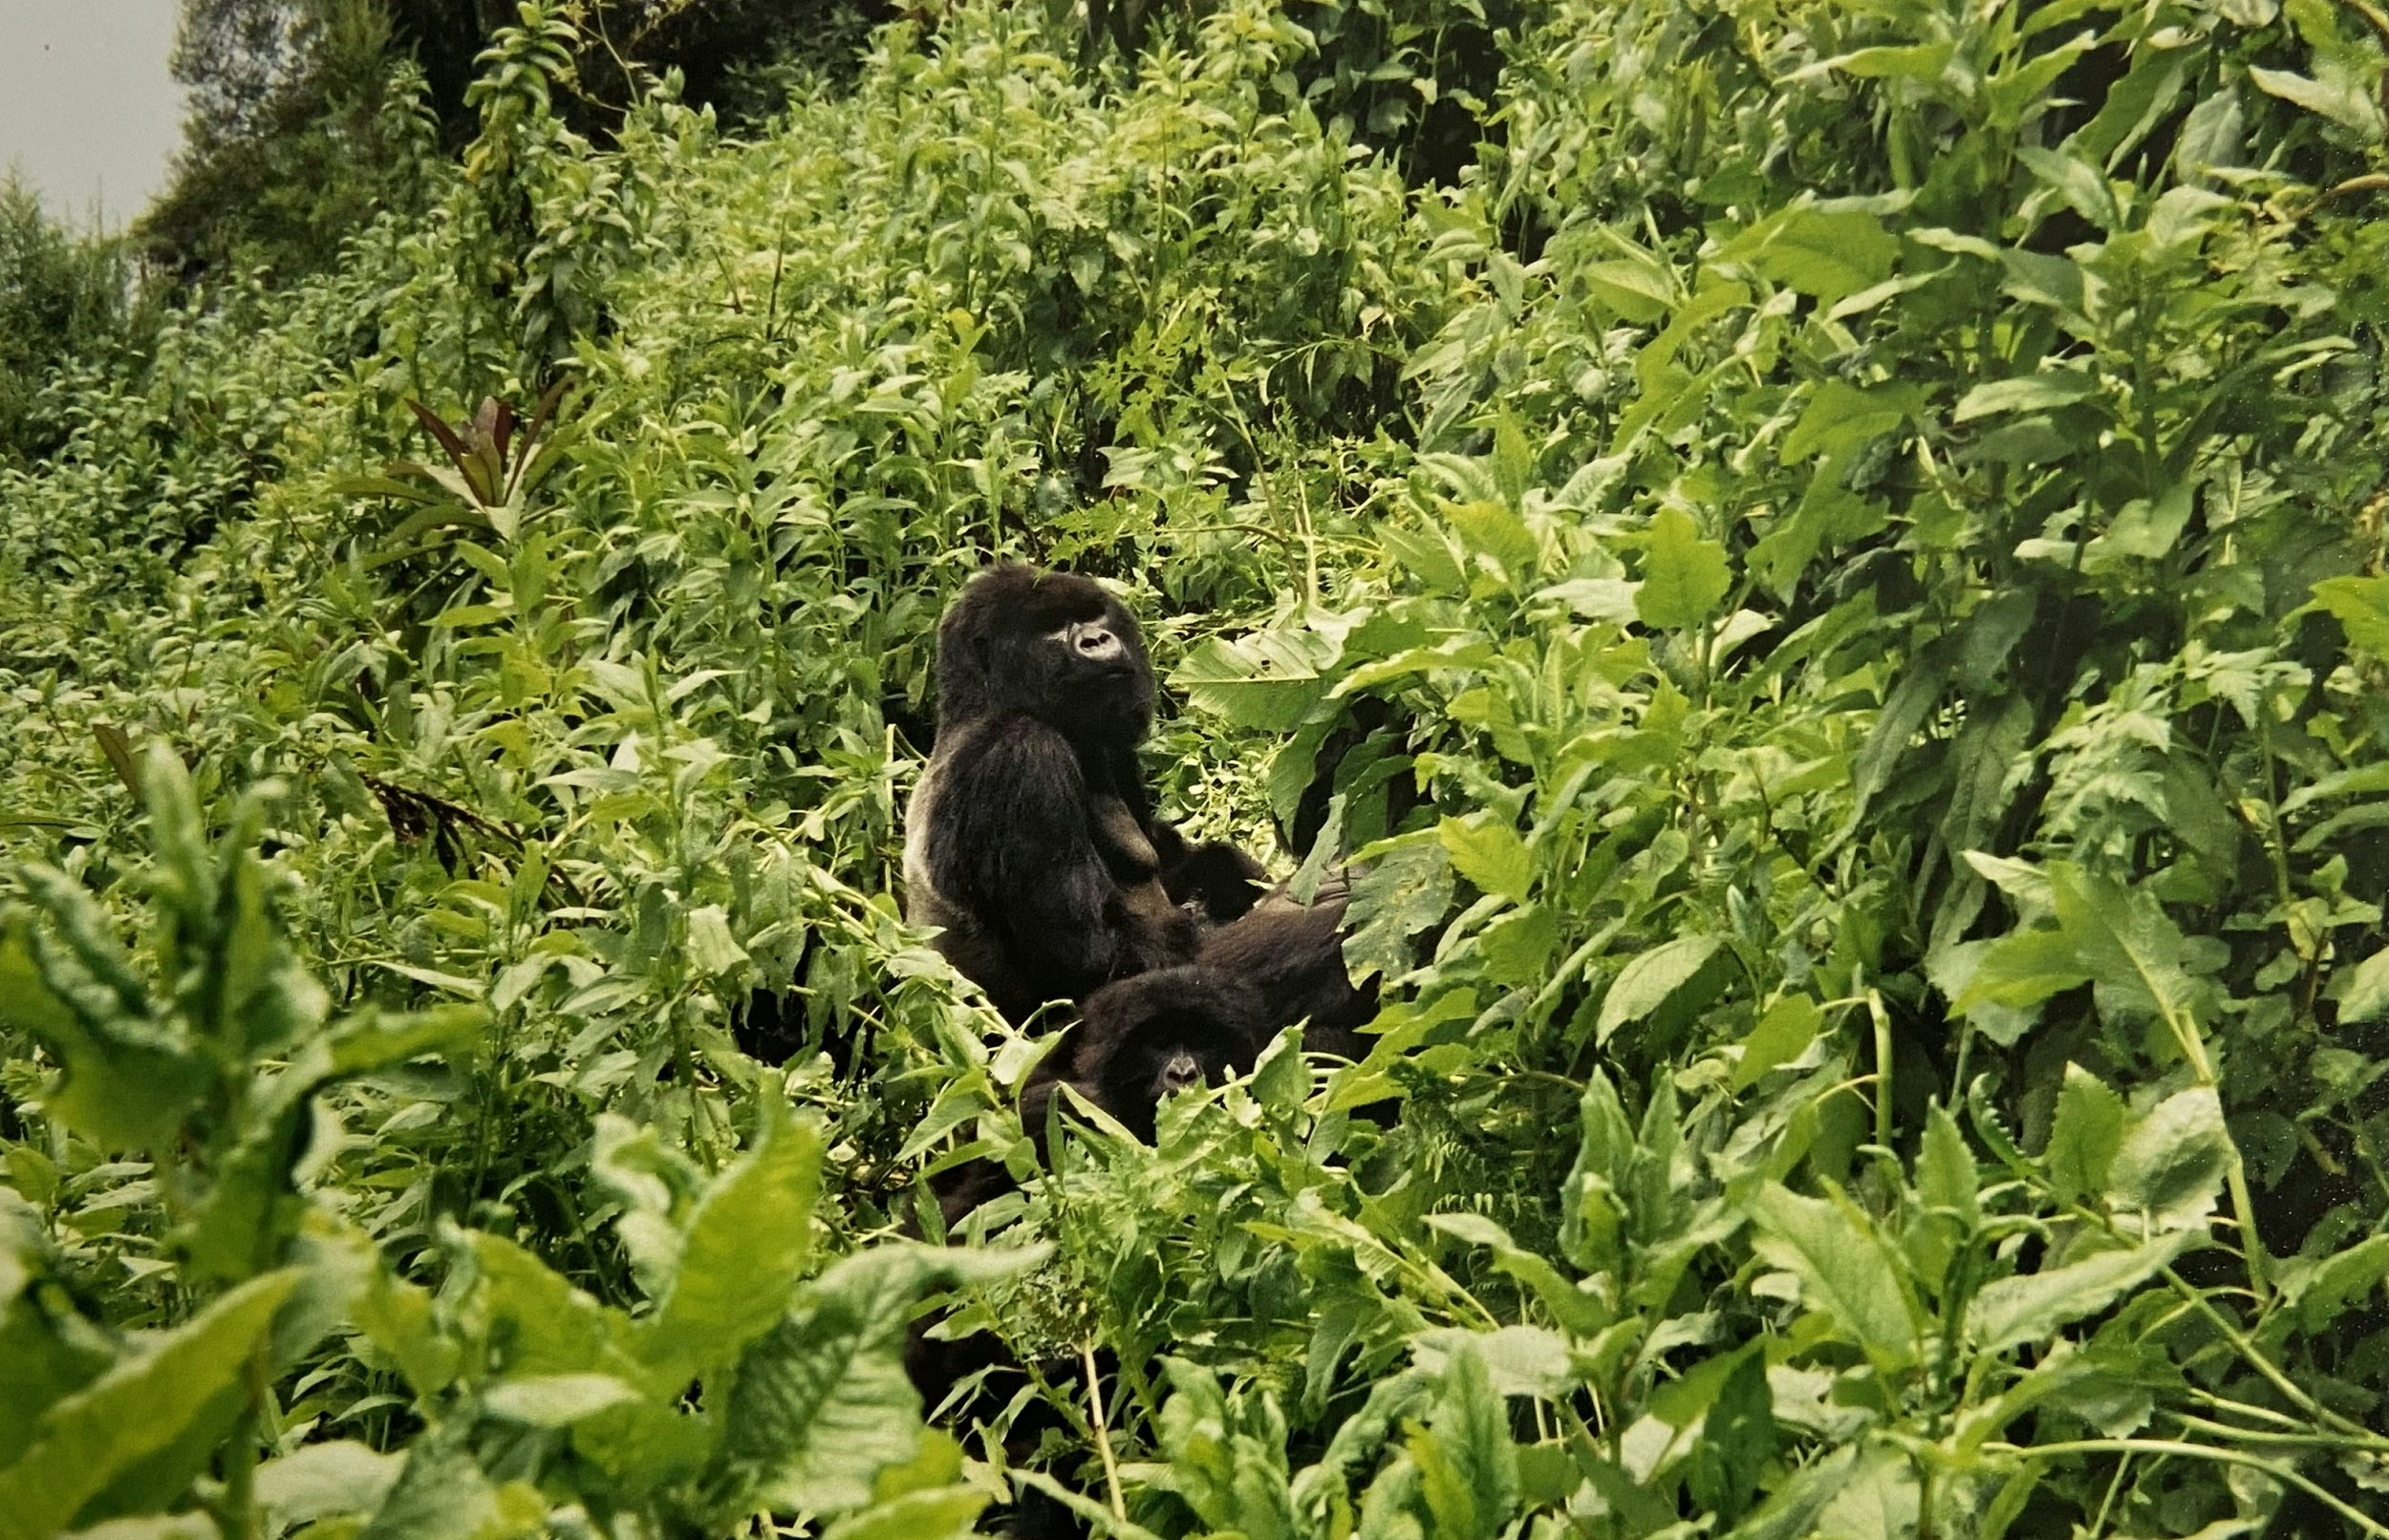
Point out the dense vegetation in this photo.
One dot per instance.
(1830, 555)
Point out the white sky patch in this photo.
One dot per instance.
(89, 116)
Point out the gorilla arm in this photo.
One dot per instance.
(1013, 847)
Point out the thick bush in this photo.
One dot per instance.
(1828, 574)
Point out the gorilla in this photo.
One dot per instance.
(1137, 1041)
(1142, 1039)
(1031, 841)
(1032, 846)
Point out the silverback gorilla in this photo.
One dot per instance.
(1031, 841)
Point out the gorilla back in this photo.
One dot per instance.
(1031, 841)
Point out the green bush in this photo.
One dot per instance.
(1855, 533)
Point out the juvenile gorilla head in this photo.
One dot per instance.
(1052, 645)
(1143, 1038)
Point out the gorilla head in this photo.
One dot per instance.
(1049, 645)
(1143, 1040)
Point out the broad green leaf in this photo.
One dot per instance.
(2338, 1282)
(2171, 1161)
(1920, 62)
(1945, 1168)
(321, 1480)
(149, 1424)
(2085, 1135)
(2133, 951)
(557, 1399)
(1880, 1500)
(443, 1494)
(1840, 414)
(1519, 1360)
(1846, 1273)
(1267, 682)
(2363, 991)
(746, 1249)
(1519, 947)
(1402, 892)
(2022, 969)
(1466, 1459)
(1490, 531)
(945, 1513)
(1782, 1035)
(2361, 607)
(2342, 99)
(1651, 980)
(711, 947)
(1489, 853)
(1830, 254)
(1738, 1438)
(1684, 575)
(125, 1079)
(820, 1404)
(2079, 183)
(2034, 1307)
(2027, 392)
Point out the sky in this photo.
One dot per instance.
(88, 115)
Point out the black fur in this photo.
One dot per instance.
(1140, 1039)
(1031, 841)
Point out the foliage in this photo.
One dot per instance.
(65, 309)
(1827, 576)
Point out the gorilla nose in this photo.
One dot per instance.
(1181, 1072)
(1095, 642)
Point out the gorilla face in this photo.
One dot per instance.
(1148, 1038)
(1052, 645)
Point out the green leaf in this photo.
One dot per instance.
(2035, 1307)
(1489, 530)
(1267, 682)
(1404, 890)
(1738, 1438)
(946, 1514)
(2027, 392)
(1840, 414)
(2342, 99)
(319, 1481)
(2084, 1135)
(2133, 951)
(2079, 183)
(132, 1440)
(711, 947)
(1519, 1360)
(1845, 1272)
(1468, 1473)
(820, 1404)
(2338, 1282)
(2361, 607)
(2171, 1161)
(2022, 969)
(1782, 1035)
(1920, 62)
(1489, 853)
(1653, 980)
(125, 1080)
(1684, 576)
(1579, 1310)
(1831, 254)
(746, 1248)
(442, 1494)
(557, 1399)
(1945, 1168)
